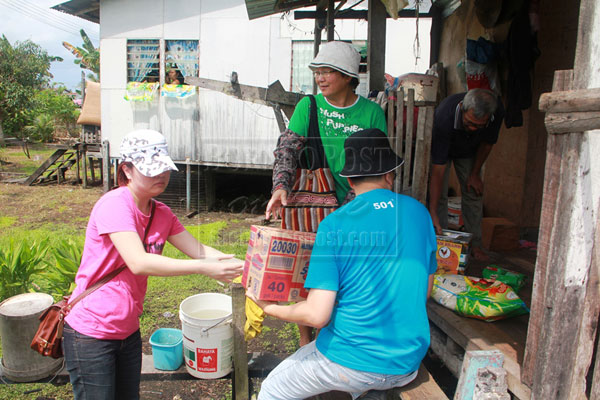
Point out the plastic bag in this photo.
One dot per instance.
(513, 279)
(477, 297)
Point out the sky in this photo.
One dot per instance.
(21, 20)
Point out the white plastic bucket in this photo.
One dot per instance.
(207, 335)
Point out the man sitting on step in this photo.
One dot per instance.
(370, 275)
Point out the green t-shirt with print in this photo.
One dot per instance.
(335, 125)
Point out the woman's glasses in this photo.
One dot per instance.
(324, 74)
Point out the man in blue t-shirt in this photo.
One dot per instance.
(370, 274)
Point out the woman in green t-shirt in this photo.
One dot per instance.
(340, 113)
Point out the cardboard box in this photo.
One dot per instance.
(453, 251)
(277, 263)
(499, 234)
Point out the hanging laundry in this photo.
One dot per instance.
(140, 91)
(481, 66)
(522, 52)
(179, 91)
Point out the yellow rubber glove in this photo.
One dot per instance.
(254, 319)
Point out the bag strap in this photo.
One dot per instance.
(113, 273)
(313, 150)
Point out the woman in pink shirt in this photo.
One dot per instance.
(102, 342)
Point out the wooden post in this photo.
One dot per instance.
(317, 41)
(210, 189)
(331, 20)
(106, 158)
(78, 149)
(377, 16)
(92, 170)
(240, 350)
(84, 165)
(116, 173)
(565, 304)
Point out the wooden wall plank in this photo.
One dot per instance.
(399, 145)
(408, 142)
(422, 154)
(562, 81)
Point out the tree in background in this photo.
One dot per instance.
(53, 110)
(87, 56)
(24, 70)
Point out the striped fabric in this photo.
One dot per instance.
(310, 201)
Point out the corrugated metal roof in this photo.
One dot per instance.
(86, 9)
(262, 8)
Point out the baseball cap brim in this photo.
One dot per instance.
(155, 166)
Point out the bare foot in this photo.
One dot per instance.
(479, 254)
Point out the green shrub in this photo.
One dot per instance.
(61, 273)
(19, 265)
(41, 129)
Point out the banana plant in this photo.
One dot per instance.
(20, 264)
(87, 56)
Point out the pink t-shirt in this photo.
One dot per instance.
(113, 310)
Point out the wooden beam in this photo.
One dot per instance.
(566, 122)
(356, 14)
(274, 93)
(376, 45)
(570, 101)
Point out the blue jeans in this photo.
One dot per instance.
(103, 369)
(307, 373)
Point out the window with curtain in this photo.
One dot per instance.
(143, 60)
(181, 59)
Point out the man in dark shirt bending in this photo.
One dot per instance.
(465, 129)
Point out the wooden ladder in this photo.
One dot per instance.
(54, 168)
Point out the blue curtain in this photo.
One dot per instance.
(184, 53)
(142, 58)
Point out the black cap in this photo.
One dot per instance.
(368, 153)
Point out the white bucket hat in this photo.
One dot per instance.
(147, 150)
(340, 56)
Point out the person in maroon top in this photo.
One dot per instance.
(465, 128)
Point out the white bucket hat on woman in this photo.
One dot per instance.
(147, 150)
(340, 56)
